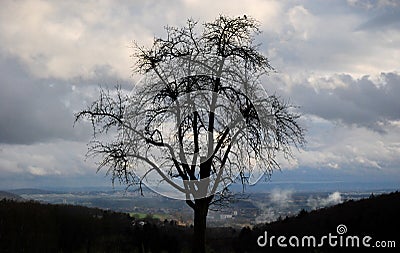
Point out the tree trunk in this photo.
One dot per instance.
(201, 208)
(200, 222)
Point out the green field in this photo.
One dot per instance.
(140, 216)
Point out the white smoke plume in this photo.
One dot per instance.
(318, 202)
(279, 200)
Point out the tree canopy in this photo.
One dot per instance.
(199, 119)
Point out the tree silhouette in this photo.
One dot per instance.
(199, 119)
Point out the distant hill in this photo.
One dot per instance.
(31, 191)
(9, 195)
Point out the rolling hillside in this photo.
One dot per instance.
(376, 217)
(34, 227)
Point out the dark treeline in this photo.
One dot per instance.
(35, 227)
(376, 216)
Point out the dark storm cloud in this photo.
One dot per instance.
(30, 109)
(343, 99)
(38, 110)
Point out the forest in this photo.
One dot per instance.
(28, 226)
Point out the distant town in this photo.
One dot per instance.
(248, 209)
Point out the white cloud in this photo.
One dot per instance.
(74, 38)
(69, 39)
(39, 171)
(64, 158)
(314, 39)
(302, 21)
(267, 12)
(53, 164)
(352, 149)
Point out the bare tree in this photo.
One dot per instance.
(199, 120)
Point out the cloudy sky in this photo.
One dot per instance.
(338, 60)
